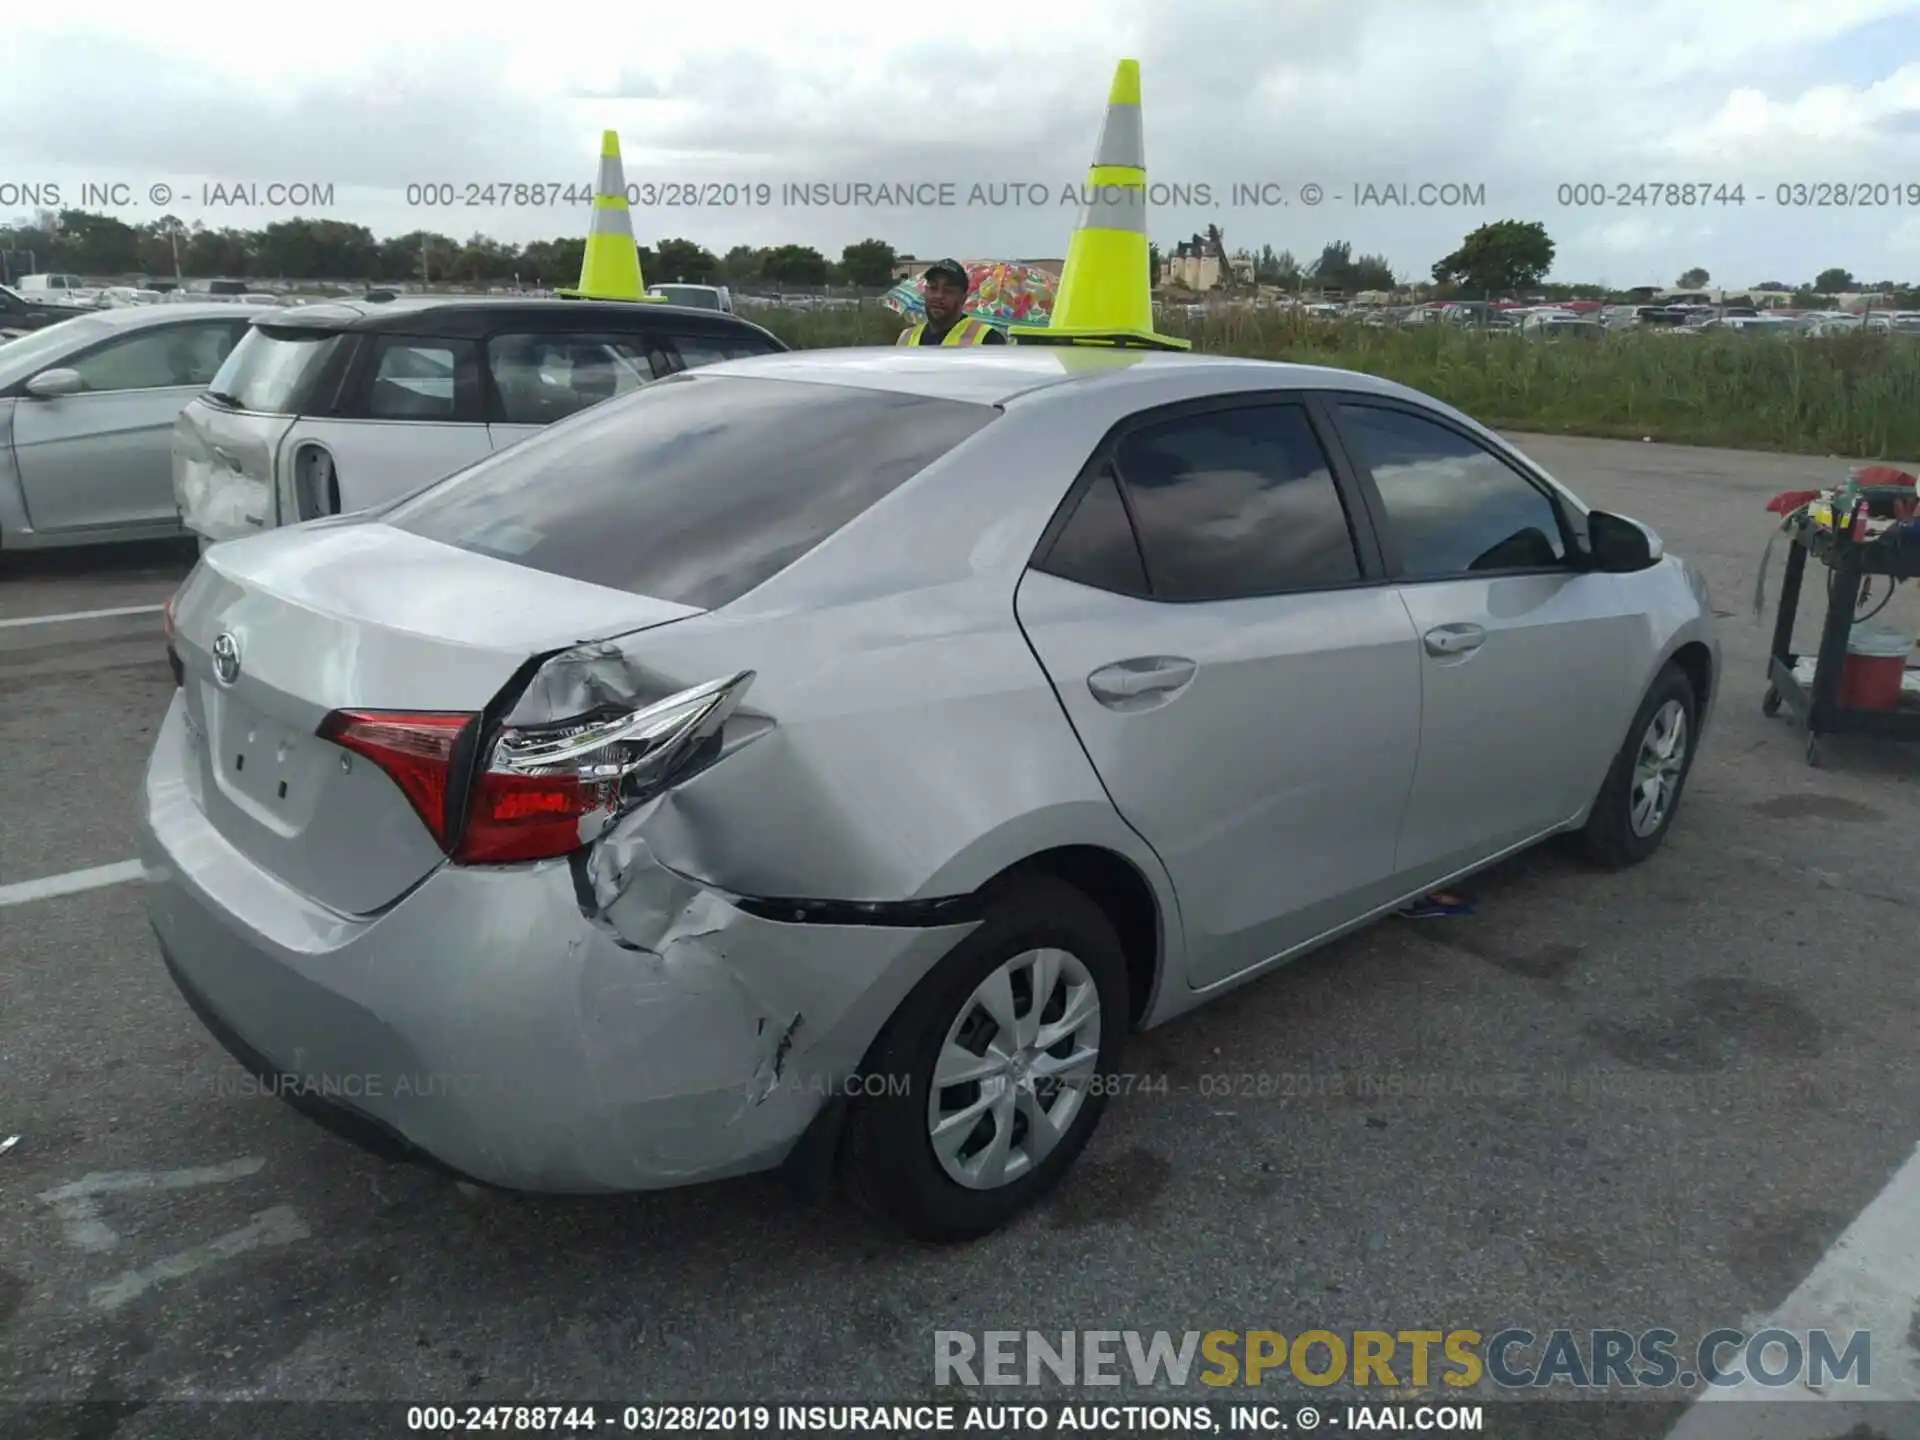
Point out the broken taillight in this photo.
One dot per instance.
(544, 791)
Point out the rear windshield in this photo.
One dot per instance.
(268, 371)
(688, 295)
(694, 489)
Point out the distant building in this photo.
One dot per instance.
(1202, 263)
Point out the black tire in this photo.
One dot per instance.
(1608, 838)
(887, 1158)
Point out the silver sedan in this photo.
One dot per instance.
(87, 407)
(825, 760)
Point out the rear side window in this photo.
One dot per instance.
(1097, 546)
(416, 380)
(1236, 503)
(695, 489)
(544, 378)
(698, 350)
(271, 371)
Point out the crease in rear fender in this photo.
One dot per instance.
(774, 994)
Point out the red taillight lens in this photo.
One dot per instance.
(525, 817)
(414, 748)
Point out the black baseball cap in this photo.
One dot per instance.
(947, 270)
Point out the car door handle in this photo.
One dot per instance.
(1128, 679)
(1455, 639)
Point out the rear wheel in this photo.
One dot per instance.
(1636, 805)
(994, 1063)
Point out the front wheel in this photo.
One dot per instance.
(994, 1064)
(1642, 791)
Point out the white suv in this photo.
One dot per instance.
(330, 408)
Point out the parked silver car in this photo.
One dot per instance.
(87, 407)
(830, 757)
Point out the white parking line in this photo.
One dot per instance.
(71, 883)
(81, 615)
(1869, 1280)
(278, 1226)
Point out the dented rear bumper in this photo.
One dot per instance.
(597, 1025)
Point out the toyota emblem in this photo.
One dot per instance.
(226, 659)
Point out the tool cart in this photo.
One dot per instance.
(1868, 543)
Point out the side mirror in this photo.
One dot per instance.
(1620, 545)
(51, 384)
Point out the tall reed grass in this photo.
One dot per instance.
(1853, 395)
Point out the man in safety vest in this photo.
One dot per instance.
(947, 322)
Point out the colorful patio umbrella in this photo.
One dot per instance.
(1001, 291)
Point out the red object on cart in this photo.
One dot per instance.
(1875, 671)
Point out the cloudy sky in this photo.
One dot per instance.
(1515, 98)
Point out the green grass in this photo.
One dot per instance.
(1854, 395)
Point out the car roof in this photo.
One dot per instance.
(1000, 376)
(474, 316)
(139, 317)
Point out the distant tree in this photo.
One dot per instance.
(1834, 282)
(869, 263)
(684, 262)
(1371, 272)
(551, 264)
(1287, 273)
(794, 265)
(1154, 263)
(1774, 286)
(742, 263)
(1334, 269)
(1502, 258)
(1693, 279)
(90, 244)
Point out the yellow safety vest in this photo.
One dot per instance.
(968, 332)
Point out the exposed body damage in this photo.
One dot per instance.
(655, 1037)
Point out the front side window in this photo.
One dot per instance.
(173, 355)
(1452, 505)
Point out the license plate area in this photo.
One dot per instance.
(266, 766)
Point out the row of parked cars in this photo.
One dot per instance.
(823, 761)
(1591, 322)
(229, 418)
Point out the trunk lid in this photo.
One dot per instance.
(355, 615)
(223, 469)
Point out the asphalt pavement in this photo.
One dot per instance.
(1649, 1099)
